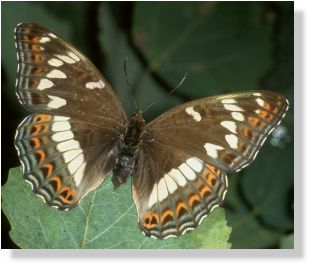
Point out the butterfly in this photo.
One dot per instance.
(79, 133)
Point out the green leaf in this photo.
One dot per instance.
(287, 242)
(104, 219)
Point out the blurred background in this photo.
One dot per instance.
(224, 47)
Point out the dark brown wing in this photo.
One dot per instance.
(173, 191)
(72, 143)
(64, 158)
(181, 173)
(226, 131)
(54, 77)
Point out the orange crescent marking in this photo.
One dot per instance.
(36, 38)
(150, 216)
(165, 214)
(264, 114)
(267, 106)
(37, 57)
(254, 121)
(70, 193)
(37, 128)
(180, 206)
(246, 133)
(193, 198)
(49, 169)
(36, 141)
(42, 155)
(205, 174)
(204, 191)
(214, 169)
(242, 146)
(58, 182)
(35, 47)
(45, 117)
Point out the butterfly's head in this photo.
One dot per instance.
(138, 118)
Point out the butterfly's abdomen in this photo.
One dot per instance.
(128, 150)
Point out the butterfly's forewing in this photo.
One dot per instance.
(188, 151)
(70, 145)
(54, 77)
(226, 130)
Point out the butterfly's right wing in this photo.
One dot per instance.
(64, 158)
(181, 172)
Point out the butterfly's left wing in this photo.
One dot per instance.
(181, 172)
(53, 77)
(71, 143)
(64, 158)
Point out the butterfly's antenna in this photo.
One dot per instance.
(170, 93)
(129, 86)
(181, 82)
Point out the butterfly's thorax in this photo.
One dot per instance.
(128, 149)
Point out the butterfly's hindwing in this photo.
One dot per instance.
(174, 191)
(61, 156)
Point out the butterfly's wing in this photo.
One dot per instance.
(63, 158)
(54, 77)
(173, 191)
(68, 147)
(181, 172)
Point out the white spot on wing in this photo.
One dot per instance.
(69, 155)
(237, 116)
(187, 171)
(229, 101)
(78, 175)
(61, 118)
(229, 125)
(212, 149)
(171, 185)
(195, 163)
(44, 39)
(178, 177)
(56, 102)
(92, 85)
(62, 136)
(76, 163)
(232, 107)
(257, 94)
(56, 74)
(44, 84)
(232, 140)
(55, 62)
(59, 126)
(68, 145)
(73, 56)
(153, 196)
(66, 59)
(195, 114)
(260, 102)
(162, 190)
(52, 35)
